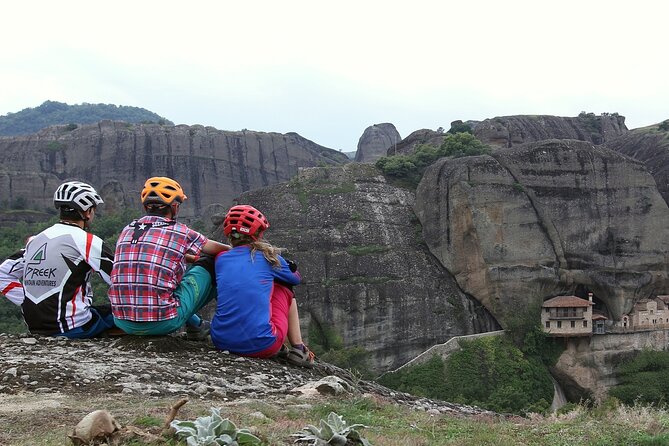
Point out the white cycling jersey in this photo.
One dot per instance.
(11, 273)
(58, 263)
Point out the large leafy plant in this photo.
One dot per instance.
(213, 431)
(334, 431)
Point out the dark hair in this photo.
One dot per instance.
(70, 214)
(160, 210)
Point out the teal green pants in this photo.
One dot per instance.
(194, 292)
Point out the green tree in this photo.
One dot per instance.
(489, 372)
(462, 144)
(410, 168)
(30, 120)
(644, 379)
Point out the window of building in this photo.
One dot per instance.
(573, 324)
(548, 324)
(585, 323)
(559, 324)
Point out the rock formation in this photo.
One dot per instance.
(587, 367)
(544, 219)
(650, 145)
(508, 131)
(376, 141)
(213, 166)
(423, 136)
(368, 276)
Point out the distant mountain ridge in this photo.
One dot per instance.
(31, 120)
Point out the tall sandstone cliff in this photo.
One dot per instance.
(367, 273)
(213, 166)
(544, 219)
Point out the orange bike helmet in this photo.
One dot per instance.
(245, 219)
(162, 190)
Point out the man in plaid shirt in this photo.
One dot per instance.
(151, 291)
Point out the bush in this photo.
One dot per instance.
(644, 379)
(488, 372)
(459, 127)
(664, 126)
(410, 168)
(328, 345)
(462, 144)
(426, 380)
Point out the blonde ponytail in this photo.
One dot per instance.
(270, 253)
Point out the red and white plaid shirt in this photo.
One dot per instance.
(149, 263)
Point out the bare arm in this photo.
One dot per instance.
(213, 247)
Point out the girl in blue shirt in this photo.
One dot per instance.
(256, 311)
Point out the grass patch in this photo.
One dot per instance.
(353, 280)
(364, 250)
(389, 424)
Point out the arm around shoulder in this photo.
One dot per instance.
(213, 247)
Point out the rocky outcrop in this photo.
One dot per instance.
(508, 131)
(586, 369)
(650, 145)
(544, 219)
(423, 136)
(368, 276)
(169, 367)
(213, 166)
(375, 141)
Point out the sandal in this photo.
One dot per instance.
(301, 355)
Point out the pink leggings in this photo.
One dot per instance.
(280, 302)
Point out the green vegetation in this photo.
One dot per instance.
(643, 379)
(213, 431)
(664, 126)
(363, 250)
(389, 424)
(55, 146)
(332, 431)
(489, 372)
(30, 120)
(328, 345)
(459, 127)
(409, 169)
(592, 123)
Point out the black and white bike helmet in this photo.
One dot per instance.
(77, 195)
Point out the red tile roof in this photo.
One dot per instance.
(566, 301)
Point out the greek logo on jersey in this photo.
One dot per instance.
(37, 273)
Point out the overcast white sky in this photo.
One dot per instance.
(328, 70)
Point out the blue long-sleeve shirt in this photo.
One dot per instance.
(244, 285)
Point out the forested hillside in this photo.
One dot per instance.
(31, 120)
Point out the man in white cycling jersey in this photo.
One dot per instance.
(57, 267)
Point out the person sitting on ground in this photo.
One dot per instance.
(11, 274)
(152, 293)
(256, 310)
(57, 265)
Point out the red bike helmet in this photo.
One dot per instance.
(245, 219)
